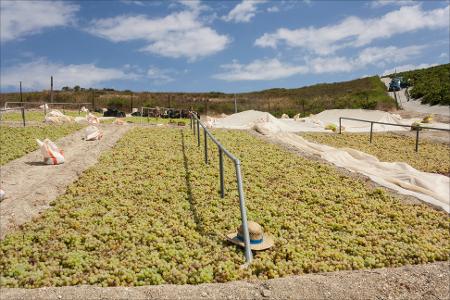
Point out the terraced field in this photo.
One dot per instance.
(432, 157)
(18, 141)
(149, 213)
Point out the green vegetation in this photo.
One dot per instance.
(18, 141)
(368, 93)
(432, 156)
(431, 84)
(38, 116)
(150, 213)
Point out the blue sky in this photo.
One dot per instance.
(227, 46)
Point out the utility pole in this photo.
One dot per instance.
(131, 108)
(21, 100)
(235, 104)
(51, 89)
(168, 100)
(93, 100)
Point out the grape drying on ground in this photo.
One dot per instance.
(433, 157)
(18, 141)
(150, 212)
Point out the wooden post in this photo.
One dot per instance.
(51, 89)
(21, 99)
(131, 108)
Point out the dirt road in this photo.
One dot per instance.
(31, 185)
(415, 105)
(410, 282)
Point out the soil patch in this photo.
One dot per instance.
(428, 281)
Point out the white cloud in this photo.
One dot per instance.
(356, 32)
(160, 76)
(179, 34)
(139, 3)
(381, 3)
(443, 55)
(375, 56)
(267, 69)
(36, 75)
(194, 5)
(22, 18)
(243, 12)
(273, 9)
(408, 67)
(271, 69)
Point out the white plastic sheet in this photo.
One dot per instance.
(51, 153)
(401, 177)
(92, 133)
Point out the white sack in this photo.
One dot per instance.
(51, 153)
(57, 117)
(2, 194)
(92, 119)
(81, 120)
(92, 133)
(84, 109)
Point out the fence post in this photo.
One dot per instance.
(248, 251)
(371, 131)
(23, 116)
(417, 139)
(222, 183)
(206, 146)
(340, 125)
(198, 132)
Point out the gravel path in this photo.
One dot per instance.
(31, 185)
(410, 282)
(416, 105)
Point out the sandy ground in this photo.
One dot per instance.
(410, 282)
(416, 105)
(31, 185)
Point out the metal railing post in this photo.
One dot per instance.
(190, 122)
(248, 251)
(340, 125)
(23, 116)
(222, 183)
(417, 139)
(371, 131)
(198, 133)
(206, 146)
(194, 126)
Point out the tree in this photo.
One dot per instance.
(76, 88)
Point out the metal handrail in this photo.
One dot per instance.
(417, 128)
(21, 103)
(195, 125)
(22, 109)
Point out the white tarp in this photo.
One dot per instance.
(401, 177)
(317, 123)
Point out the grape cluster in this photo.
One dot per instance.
(432, 156)
(150, 212)
(18, 141)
